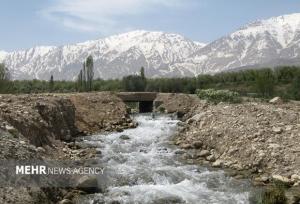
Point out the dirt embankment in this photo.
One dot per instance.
(100, 112)
(37, 127)
(41, 118)
(262, 138)
(175, 103)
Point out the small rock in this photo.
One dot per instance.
(197, 145)
(98, 151)
(9, 128)
(297, 184)
(277, 130)
(190, 121)
(22, 142)
(276, 100)
(65, 201)
(132, 125)
(143, 151)
(295, 178)
(262, 179)
(186, 156)
(186, 146)
(40, 149)
(211, 158)
(203, 153)
(288, 127)
(119, 129)
(217, 164)
(179, 151)
(124, 137)
(283, 179)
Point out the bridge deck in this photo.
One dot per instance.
(137, 96)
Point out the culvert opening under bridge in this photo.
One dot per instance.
(141, 106)
(142, 102)
(145, 106)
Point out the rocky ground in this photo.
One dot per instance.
(259, 137)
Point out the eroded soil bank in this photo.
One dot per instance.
(44, 126)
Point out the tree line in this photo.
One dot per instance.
(281, 81)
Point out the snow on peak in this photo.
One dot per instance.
(200, 44)
(282, 28)
(147, 42)
(115, 56)
(42, 50)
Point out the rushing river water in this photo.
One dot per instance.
(142, 167)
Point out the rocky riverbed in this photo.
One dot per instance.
(256, 139)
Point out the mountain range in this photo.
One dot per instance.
(271, 42)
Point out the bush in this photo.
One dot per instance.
(161, 109)
(274, 195)
(217, 96)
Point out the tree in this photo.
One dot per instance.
(80, 81)
(51, 84)
(89, 72)
(134, 83)
(4, 77)
(265, 82)
(295, 89)
(84, 76)
(143, 73)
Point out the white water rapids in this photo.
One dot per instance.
(144, 169)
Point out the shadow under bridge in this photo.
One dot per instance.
(145, 100)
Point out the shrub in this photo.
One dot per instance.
(274, 195)
(217, 96)
(161, 109)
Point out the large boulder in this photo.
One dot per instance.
(88, 184)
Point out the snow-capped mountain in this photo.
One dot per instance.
(114, 57)
(271, 42)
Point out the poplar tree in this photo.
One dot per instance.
(89, 72)
(143, 73)
(84, 77)
(51, 84)
(80, 81)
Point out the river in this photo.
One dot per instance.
(142, 167)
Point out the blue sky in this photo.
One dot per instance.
(28, 23)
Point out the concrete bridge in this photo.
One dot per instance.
(144, 99)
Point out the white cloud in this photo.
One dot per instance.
(102, 15)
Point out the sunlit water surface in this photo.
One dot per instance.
(144, 169)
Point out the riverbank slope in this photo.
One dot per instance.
(258, 137)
